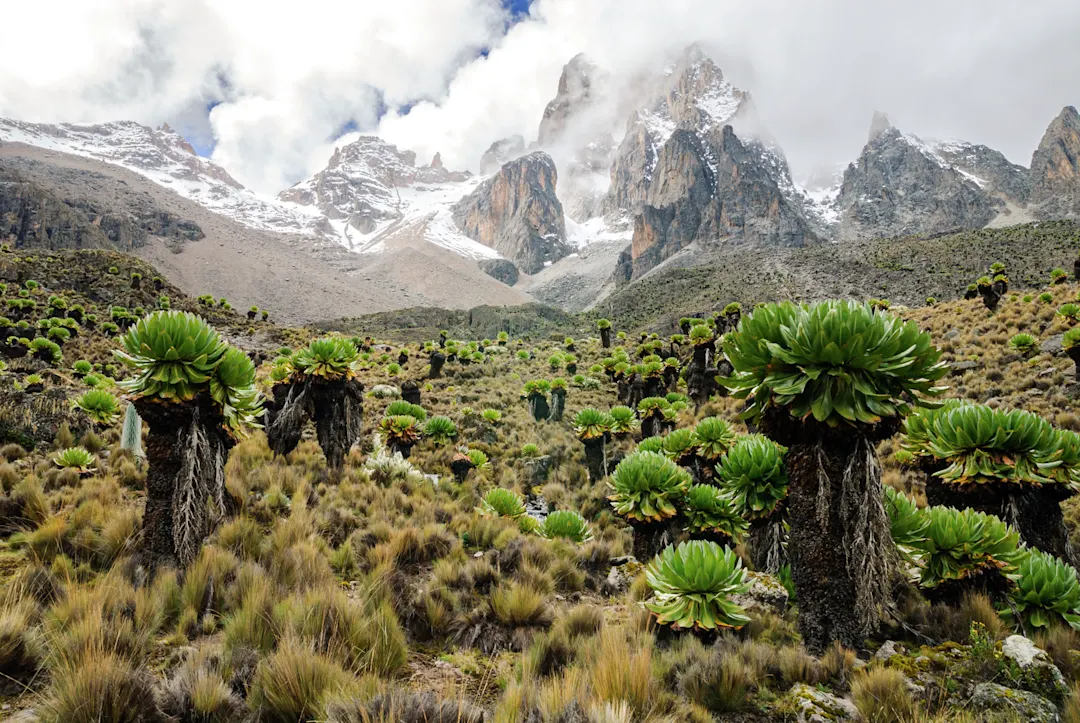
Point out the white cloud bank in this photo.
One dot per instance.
(287, 76)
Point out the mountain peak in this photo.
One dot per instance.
(577, 89)
(878, 125)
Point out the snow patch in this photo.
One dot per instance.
(597, 229)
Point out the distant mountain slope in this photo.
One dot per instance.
(905, 270)
(299, 280)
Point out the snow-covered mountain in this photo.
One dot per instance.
(163, 156)
(676, 161)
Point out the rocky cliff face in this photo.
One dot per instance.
(900, 185)
(712, 189)
(684, 174)
(517, 213)
(359, 184)
(693, 96)
(1055, 167)
(990, 169)
(33, 214)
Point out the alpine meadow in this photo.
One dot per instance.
(626, 419)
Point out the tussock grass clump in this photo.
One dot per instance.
(519, 604)
(404, 707)
(112, 689)
(881, 694)
(295, 683)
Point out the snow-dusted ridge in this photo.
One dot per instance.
(167, 159)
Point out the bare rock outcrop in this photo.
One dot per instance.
(517, 213)
(901, 185)
(694, 168)
(360, 182)
(1055, 167)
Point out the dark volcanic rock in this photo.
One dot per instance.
(517, 213)
(31, 215)
(500, 269)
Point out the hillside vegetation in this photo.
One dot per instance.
(483, 553)
(905, 270)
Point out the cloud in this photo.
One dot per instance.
(283, 78)
(990, 71)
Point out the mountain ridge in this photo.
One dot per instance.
(681, 161)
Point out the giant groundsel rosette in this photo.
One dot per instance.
(837, 361)
(692, 585)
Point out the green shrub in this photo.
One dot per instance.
(98, 404)
(440, 430)
(959, 545)
(623, 420)
(591, 424)
(330, 358)
(501, 502)
(714, 437)
(75, 458)
(708, 509)
(753, 473)
(982, 445)
(1046, 593)
(403, 408)
(1023, 343)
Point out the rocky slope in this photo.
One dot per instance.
(33, 216)
(60, 210)
(517, 213)
(298, 278)
(1055, 167)
(164, 157)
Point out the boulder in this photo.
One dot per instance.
(621, 576)
(1037, 671)
(766, 594)
(997, 703)
(817, 706)
(500, 270)
(517, 213)
(959, 368)
(536, 469)
(1053, 345)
